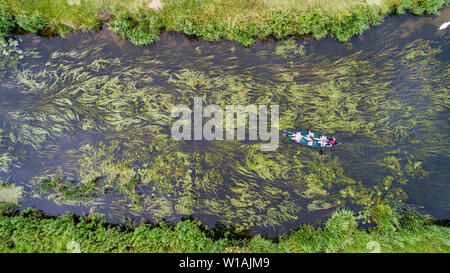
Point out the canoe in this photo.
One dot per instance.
(303, 141)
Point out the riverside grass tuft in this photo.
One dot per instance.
(396, 231)
(236, 20)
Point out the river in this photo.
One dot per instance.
(85, 125)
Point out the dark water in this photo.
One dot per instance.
(91, 106)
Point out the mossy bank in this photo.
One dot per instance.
(141, 21)
(396, 231)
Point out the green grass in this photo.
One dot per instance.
(396, 231)
(237, 20)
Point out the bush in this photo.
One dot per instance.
(342, 223)
(317, 25)
(260, 245)
(7, 23)
(419, 7)
(242, 37)
(386, 218)
(140, 30)
(308, 240)
(281, 23)
(404, 5)
(428, 6)
(32, 24)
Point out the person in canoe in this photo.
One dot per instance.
(298, 137)
(312, 139)
(325, 141)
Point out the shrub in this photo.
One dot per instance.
(187, 27)
(342, 223)
(241, 36)
(7, 23)
(404, 5)
(260, 245)
(428, 6)
(32, 24)
(340, 229)
(281, 24)
(308, 240)
(140, 30)
(317, 25)
(386, 219)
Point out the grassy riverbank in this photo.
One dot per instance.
(31, 231)
(241, 21)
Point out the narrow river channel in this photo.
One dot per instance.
(85, 125)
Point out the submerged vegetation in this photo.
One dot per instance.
(241, 21)
(396, 231)
(10, 194)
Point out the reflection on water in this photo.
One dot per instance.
(85, 125)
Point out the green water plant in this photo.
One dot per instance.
(61, 191)
(289, 49)
(10, 193)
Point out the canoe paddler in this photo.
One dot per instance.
(310, 137)
(323, 141)
(298, 136)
